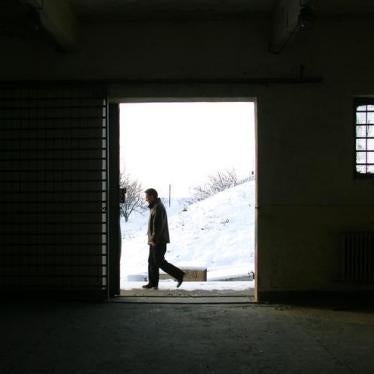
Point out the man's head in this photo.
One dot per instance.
(151, 195)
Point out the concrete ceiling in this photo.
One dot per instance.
(57, 19)
(96, 9)
(169, 8)
(15, 11)
(11, 10)
(353, 7)
(16, 19)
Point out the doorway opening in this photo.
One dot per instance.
(200, 157)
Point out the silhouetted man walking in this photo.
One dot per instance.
(158, 237)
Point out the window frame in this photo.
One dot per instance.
(356, 103)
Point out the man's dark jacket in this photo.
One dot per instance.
(158, 230)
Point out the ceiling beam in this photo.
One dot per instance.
(58, 19)
(289, 18)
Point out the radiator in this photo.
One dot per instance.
(357, 257)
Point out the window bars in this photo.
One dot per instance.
(53, 200)
(364, 136)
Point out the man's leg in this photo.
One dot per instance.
(167, 267)
(153, 268)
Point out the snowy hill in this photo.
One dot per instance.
(216, 233)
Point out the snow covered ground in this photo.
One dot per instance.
(216, 233)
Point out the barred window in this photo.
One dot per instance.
(364, 136)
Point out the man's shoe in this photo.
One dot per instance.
(150, 286)
(180, 280)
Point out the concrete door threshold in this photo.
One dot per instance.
(189, 293)
(190, 289)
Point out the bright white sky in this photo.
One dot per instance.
(183, 143)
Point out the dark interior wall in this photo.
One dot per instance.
(306, 191)
(53, 190)
(337, 48)
(151, 50)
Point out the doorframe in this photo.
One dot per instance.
(114, 227)
(114, 230)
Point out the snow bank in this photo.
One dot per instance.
(216, 233)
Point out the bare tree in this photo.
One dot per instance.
(199, 193)
(218, 182)
(134, 200)
(222, 181)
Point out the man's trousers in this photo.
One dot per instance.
(156, 261)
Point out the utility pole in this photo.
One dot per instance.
(169, 195)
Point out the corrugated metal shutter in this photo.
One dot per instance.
(53, 182)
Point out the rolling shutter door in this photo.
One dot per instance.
(53, 200)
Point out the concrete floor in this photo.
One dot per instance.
(74, 338)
